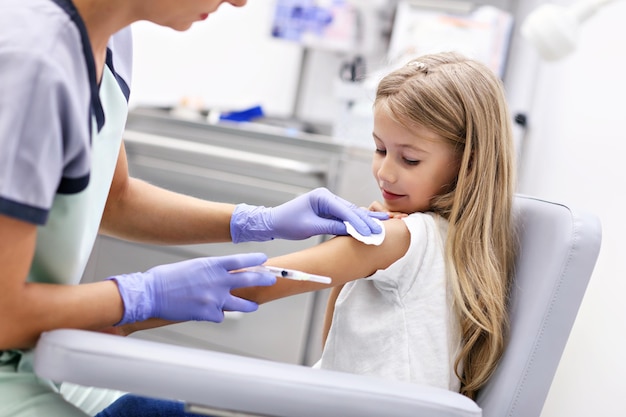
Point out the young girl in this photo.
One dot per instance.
(428, 305)
(431, 305)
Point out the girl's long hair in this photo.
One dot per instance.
(464, 102)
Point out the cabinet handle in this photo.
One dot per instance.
(237, 156)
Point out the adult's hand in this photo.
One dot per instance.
(195, 289)
(317, 212)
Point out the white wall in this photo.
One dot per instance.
(574, 152)
(228, 62)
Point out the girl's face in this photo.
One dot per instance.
(180, 15)
(411, 166)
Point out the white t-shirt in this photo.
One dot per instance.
(399, 323)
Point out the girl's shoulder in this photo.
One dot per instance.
(414, 245)
(415, 225)
(428, 231)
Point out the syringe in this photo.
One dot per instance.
(289, 274)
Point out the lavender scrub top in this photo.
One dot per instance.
(60, 135)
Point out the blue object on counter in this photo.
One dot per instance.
(243, 115)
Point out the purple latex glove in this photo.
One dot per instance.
(195, 289)
(317, 212)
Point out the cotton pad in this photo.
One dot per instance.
(376, 239)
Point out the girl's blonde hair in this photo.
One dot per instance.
(464, 102)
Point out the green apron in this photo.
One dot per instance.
(63, 248)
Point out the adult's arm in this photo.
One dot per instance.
(27, 309)
(195, 289)
(139, 211)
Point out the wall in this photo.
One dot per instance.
(574, 152)
(228, 62)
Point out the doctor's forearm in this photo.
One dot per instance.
(146, 213)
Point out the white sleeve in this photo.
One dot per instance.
(402, 274)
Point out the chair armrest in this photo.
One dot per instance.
(230, 382)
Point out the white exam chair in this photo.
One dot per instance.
(558, 251)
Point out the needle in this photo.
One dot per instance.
(289, 274)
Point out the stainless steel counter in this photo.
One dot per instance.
(251, 163)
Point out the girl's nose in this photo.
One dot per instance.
(386, 172)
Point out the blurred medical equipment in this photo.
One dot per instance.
(482, 32)
(353, 70)
(328, 24)
(559, 246)
(554, 30)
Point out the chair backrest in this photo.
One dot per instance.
(558, 251)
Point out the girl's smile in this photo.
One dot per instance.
(389, 195)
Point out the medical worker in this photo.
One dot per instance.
(65, 70)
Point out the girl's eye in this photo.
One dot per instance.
(411, 161)
(381, 151)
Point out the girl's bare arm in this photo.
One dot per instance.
(330, 310)
(342, 258)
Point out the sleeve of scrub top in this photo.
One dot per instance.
(44, 128)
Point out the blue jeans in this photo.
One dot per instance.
(131, 405)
